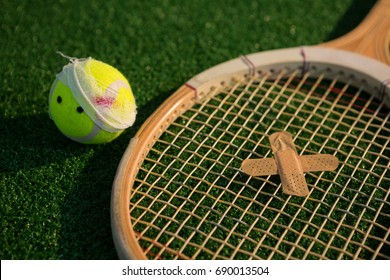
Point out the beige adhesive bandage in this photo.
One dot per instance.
(289, 165)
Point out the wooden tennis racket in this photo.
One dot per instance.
(180, 192)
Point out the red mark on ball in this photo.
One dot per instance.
(105, 101)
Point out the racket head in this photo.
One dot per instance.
(338, 232)
(341, 66)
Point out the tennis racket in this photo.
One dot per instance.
(180, 192)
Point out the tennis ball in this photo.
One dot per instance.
(91, 102)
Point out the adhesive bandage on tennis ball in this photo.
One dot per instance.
(289, 165)
(91, 101)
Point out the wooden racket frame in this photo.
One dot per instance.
(370, 39)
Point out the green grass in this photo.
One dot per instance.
(55, 194)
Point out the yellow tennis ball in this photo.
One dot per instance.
(91, 102)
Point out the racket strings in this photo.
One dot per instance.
(179, 134)
(341, 144)
(191, 201)
(224, 166)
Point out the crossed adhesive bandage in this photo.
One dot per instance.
(289, 165)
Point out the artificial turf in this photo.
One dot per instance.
(54, 193)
